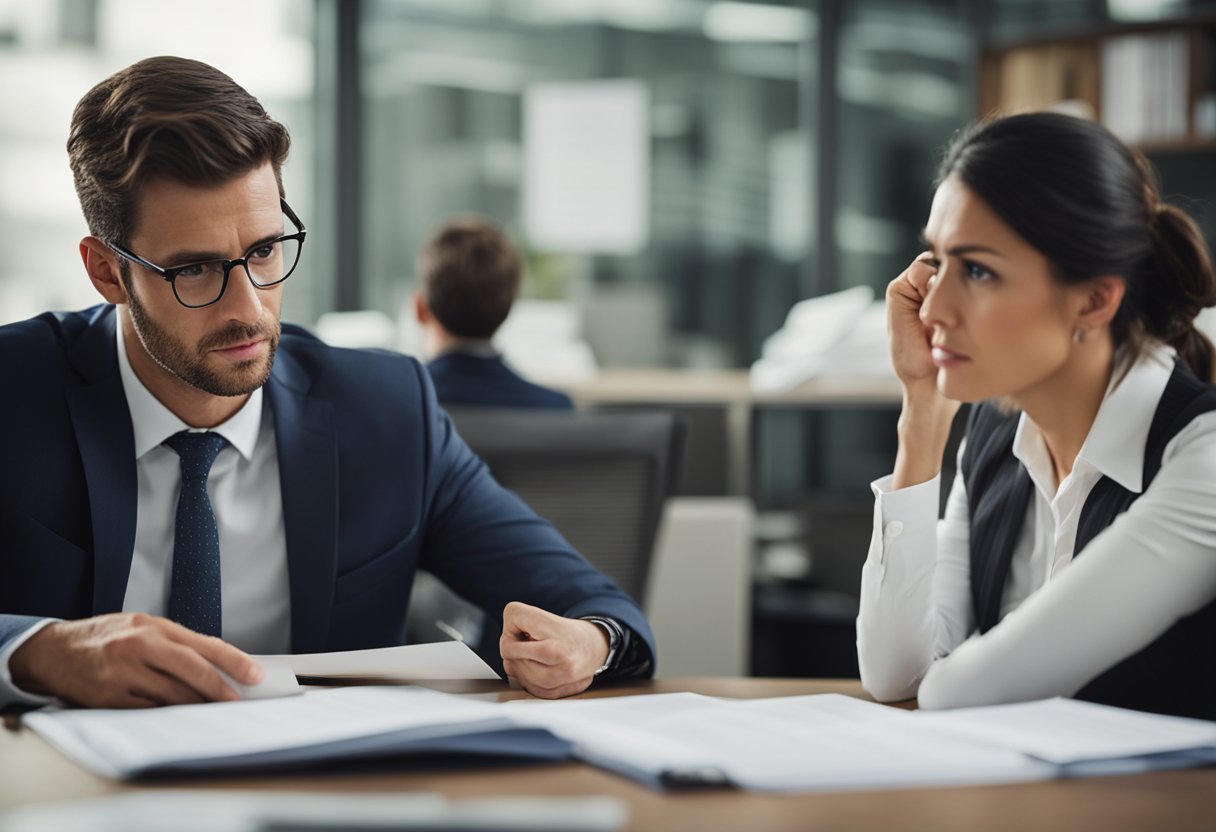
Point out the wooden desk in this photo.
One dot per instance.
(30, 771)
(732, 391)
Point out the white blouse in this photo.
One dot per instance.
(1062, 623)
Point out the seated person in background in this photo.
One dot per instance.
(1077, 555)
(184, 479)
(469, 274)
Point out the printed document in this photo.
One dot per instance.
(798, 743)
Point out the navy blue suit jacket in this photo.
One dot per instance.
(473, 380)
(375, 483)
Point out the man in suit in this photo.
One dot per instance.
(469, 274)
(184, 481)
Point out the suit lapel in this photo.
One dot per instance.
(106, 440)
(308, 473)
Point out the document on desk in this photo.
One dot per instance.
(833, 743)
(789, 744)
(1082, 738)
(318, 726)
(412, 662)
(801, 743)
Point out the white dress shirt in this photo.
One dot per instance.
(247, 502)
(1062, 623)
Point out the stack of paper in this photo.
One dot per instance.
(805, 346)
(802, 743)
(324, 725)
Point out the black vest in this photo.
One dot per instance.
(1176, 674)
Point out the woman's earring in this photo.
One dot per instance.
(1078, 335)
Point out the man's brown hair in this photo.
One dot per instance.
(165, 117)
(469, 273)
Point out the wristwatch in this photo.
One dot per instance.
(610, 629)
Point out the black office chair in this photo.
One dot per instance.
(601, 478)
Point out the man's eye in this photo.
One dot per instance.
(263, 252)
(207, 270)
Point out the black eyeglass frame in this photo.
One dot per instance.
(170, 274)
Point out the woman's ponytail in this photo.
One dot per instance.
(1184, 284)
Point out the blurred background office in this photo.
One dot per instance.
(678, 174)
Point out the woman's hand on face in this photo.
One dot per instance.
(908, 337)
(924, 422)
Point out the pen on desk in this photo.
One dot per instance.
(693, 777)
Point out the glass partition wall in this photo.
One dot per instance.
(477, 106)
(52, 53)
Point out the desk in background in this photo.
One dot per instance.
(31, 771)
(731, 391)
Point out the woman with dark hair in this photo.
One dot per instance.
(1077, 554)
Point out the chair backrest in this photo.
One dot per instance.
(600, 478)
(700, 598)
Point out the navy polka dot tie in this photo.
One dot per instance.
(194, 589)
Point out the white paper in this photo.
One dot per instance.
(251, 811)
(413, 662)
(587, 166)
(800, 350)
(801, 743)
(277, 680)
(122, 743)
(780, 755)
(1066, 731)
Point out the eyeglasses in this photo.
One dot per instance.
(266, 264)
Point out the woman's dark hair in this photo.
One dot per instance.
(1091, 206)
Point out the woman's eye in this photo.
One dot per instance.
(977, 272)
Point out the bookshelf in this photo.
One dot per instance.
(1153, 84)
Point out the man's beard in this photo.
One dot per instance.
(190, 366)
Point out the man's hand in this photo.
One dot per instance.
(551, 656)
(129, 660)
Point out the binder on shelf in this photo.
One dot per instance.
(1146, 86)
(1151, 85)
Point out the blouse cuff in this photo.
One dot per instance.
(915, 504)
(903, 516)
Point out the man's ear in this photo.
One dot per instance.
(1100, 299)
(101, 264)
(422, 312)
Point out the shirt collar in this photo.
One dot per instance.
(1030, 450)
(475, 349)
(153, 423)
(1116, 442)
